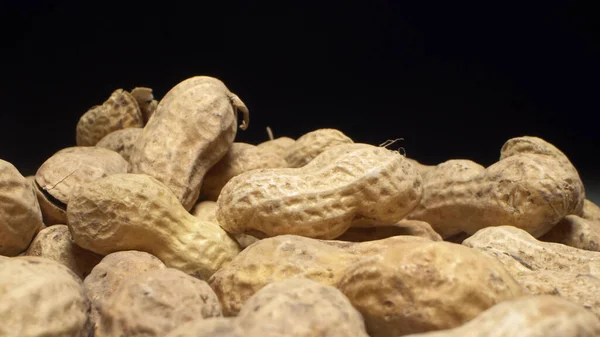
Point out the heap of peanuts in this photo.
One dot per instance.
(157, 223)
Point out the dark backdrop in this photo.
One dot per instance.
(454, 82)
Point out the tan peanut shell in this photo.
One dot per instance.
(402, 227)
(591, 211)
(210, 327)
(192, 128)
(207, 211)
(121, 141)
(533, 186)
(347, 185)
(70, 167)
(425, 286)
(153, 303)
(423, 168)
(53, 211)
(313, 143)
(20, 214)
(240, 158)
(145, 100)
(543, 267)
(527, 316)
(137, 212)
(286, 256)
(576, 232)
(297, 307)
(114, 269)
(119, 111)
(40, 297)
(279, 146)
(55, 243)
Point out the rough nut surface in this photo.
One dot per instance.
(402, 227)
(207, 211)
(591, 211)
(575, 232)
(153, 303)
(121, 141)
(532, 187)
(420, 287)
(20, 214)
(279, 146)
(346, 185)
(240, 158)
(137, 212)
(286, 256)
(55, 243)
(310, 145)
(115, 268)
(53, 211)
(210, 327)
(73, 166)
(119, 111)
(145, 100)
(298, 307)
(528, 316)
(39, 298)
(192, 128)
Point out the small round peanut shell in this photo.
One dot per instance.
(279, 146)
(145, 100)
(210, 327)
(298, 307)
(20, 214)
(576, 232)
(113, 270)
(420, 287)
(154, 303)
(121, 141)
(402, 227)
(313, 143)
(55, 243)
(591, 211)
(40, 297)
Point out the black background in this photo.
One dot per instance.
(453, 81)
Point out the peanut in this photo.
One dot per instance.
(55, 243)
(543, 267)
(240, 158)
(212, 327)
(193, 127)
(591, 211)
(278, 146)
(137, 212)
(286, 256)
(425, 286)
(402, 227)
(114, 269)
(40, 297)
(533, 186)
(576, 232)
(347, 185)
(528, 316)
(310, 145)
(155, 302)
(145, 100)
(121, 141)
(119, 111)
(20, 214)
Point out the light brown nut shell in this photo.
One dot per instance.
(153, 303)
(313, 143)
(591, 211)
(137, 212)
(55, 243)
(240, 158)
(39, 298)
(53, 211)
(529, 190)
(207, 211)
(20, 214)
(575, 232)
(286, 256)
(297, 307)
(347, 185)
(192, 128)
(70, 167)
(279, 146)
(420, 287)
(528, 316)
(145, 100)
(119, 111)
(113, 270)
(402, 227)
(121, 141)
(210, 327)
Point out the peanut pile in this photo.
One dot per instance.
(156, 222)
